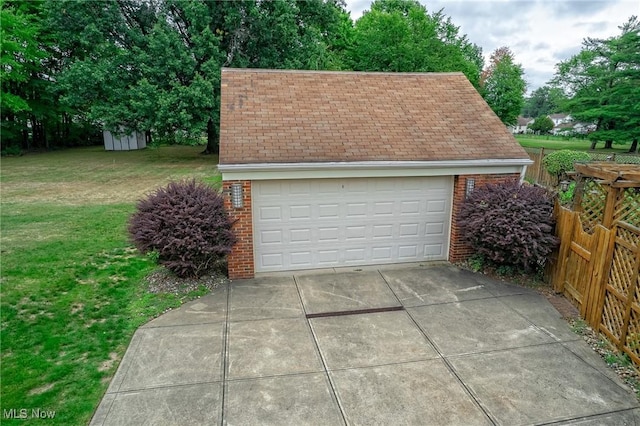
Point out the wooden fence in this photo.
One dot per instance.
(537, 173)
(598, 262)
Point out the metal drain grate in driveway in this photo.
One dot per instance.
(355, 312)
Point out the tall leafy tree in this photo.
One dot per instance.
(543, 101)
(542, 124)
(24, 77)
(155, 64)
(603, 81)
(503, 86)
(401, 36)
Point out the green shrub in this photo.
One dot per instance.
(11, 151)
(566, 197)
(184, 226)
(558, 163)
(509, 225)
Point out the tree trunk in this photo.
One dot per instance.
(608, 144)
(213, 139)
(634, 146)
(593, 145)
(147, 137)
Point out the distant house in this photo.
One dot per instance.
(584, 128)
(560, 118)
(521, 126)
(563, 128)
(573, 127)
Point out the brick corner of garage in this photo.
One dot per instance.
(240, 263)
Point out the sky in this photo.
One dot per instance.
(540, 33)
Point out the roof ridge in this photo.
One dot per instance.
(295, 71)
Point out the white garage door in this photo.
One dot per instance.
(316, 223)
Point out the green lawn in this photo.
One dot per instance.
(557, 142)
(72, 289)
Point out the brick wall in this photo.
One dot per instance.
(240, 260)
(459, 250)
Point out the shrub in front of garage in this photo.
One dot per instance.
(509, 225)
(184, 226)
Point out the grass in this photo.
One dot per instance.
(72, 288)
(557, 142)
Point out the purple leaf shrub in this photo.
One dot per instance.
(510, 224)
(186, 224)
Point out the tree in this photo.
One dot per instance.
(503, 86)
(603, 81)
(543, 101)
(155, 64)
(401, 36)
(22, 72)
(542, 124)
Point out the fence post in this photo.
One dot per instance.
(565, 231)
(609, 207)
(539, 171)
(598, 281)
(577, 194)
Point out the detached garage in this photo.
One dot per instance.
(331, 169)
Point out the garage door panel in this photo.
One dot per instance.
(409, 229)
(270, 237)
(385, 208)
(438, 206)
(410, 207)
(333, 222)
(355, 254)
(267, 189)
(300, 212)
(273, 213)
(272, 260)
(434, 229)
(435, 250)
(382, 254)
(328, 234)
(356, 210)
(408, 251)
(300, 235)
(382, 231)
(328, 211)
(300, 187)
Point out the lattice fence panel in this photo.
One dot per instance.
(627, 206)
(615, 158)
(593, 204)
(622, 268)
(613, 316)
(632, 342)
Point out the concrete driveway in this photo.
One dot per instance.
(412, 345)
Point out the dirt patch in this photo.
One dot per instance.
(41, 389)
(76, 307)
(108, 364)
(614, 359)
(81, 193)
(164, 281)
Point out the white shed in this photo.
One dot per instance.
(116, 142)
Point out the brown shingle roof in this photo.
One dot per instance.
(273, 116)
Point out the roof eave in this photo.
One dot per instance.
(263, 171)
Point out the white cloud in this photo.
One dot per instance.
(540, 33)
